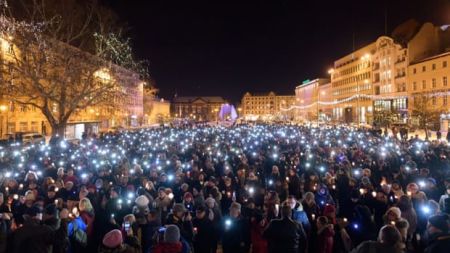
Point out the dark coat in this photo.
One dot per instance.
(439, 243)
(204, 237)
(376, 247)
(236, 237)
(34, 237)
(285, 235)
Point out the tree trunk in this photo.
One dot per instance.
(58, 130)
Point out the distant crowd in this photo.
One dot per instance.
(243, 188)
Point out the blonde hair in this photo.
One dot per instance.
(85, 205)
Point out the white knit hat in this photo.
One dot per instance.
(142, 201)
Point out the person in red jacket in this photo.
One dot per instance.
(258, 225)
(325, 235)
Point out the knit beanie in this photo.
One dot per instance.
(172, 234)
(113, 239)
(142, 201)
(440, 221)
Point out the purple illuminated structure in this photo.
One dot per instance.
(227, 112)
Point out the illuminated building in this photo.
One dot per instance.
(428, 73)
(351, 82)
(197, 108)
(156, 111)
(267, 106)
(312, 97)
(15, 117)
(390, 63)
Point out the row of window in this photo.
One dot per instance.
(23, 126)
(433, 67)
(259, 108)
(434, 101)
(352, 90)
(353, 69)
(433, 83)
(352, 79)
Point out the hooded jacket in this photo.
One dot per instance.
(325, 239)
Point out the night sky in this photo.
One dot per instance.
(225, 48)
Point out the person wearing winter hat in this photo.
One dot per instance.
(329, 211)
(205, 236)
(171, 241)
(439, 237)
(235, 231)
(142, 201)
(188, 202)
(392, 215)
(113, 242)
(113, 239)
(183, 219)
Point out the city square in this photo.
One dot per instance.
(183, 127)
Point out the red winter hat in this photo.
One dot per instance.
(113, 239)
(188, 195)
(330, 209)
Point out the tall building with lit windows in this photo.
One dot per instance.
(381, 82)
(351, 84)
(390, 63)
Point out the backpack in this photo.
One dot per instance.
(78, 235)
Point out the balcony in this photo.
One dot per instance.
(400, 75)
(400, 61)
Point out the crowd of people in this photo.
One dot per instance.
(244, 188)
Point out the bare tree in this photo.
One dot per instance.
(44, 66)
(426, 110)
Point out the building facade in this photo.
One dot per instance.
(156, 111)
(382, 82)
(390, 63)
(429, 90)
(351, 86)
(312, 98)
(267, 106)
(197, 108)
(16, 117)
